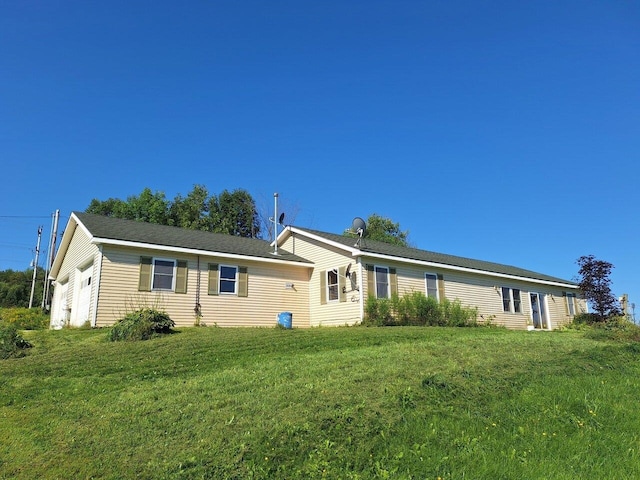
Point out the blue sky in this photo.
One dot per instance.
(504, 131)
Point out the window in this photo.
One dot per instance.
(431, 281)
(228, 279)
(571, 306)
(511, 302)
(515, 293)
(382, 282)
(163, 274)
(332, 285)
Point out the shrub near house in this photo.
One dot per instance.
(141, 325)
(11, 342)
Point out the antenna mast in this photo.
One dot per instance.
(275, 223)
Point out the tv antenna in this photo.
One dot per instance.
(360, 227)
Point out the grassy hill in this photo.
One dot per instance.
(352, 403)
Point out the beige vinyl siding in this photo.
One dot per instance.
(326, 257)
(480, 291)
(267, 292)
(80, 254)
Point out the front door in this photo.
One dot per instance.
(83, 304)
(538, 311)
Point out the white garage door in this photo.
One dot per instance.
(84, 298)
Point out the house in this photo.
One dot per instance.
(106, 267)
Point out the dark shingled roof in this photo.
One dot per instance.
(382, 248)
(110, 228)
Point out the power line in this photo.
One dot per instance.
(25, 216)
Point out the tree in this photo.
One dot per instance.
(595, 284)
(15, 288)
(233, 213)
(384, 230)
(147, 207)
(190, 211)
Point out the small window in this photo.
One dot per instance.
(506, 299)
(332, 285)
(431, 281)
(571, 306)
(382, 282)
(163, 274)
(228, 279)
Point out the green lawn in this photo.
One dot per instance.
(352, 403)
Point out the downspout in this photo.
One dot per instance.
(360, 289)
(198, 308)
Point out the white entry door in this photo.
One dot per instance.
(58, 315)
(83, 303)
(538, 311)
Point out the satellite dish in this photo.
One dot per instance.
(360, 227)
(281, 219)
(348, 272)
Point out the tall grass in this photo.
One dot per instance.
(354, 403)
(416, 309)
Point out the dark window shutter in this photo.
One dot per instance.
(243, 282)
(342, 291)
(181, 276)
(440, 286)
(144, 282)
(371, 281)
(213, 279)
(393, 281)
(323, 287)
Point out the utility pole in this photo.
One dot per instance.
(50, 258)
(35, 267)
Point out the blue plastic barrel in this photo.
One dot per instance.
(285, 319)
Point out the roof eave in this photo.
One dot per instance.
(465, 269)
(195, 251)
(69, 230)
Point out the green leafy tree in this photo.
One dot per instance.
(233, 212)
(384, 230)
(15, 288)
(190, 211)
(147, 207)
(595, 284)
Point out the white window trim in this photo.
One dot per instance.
(512, 303)
(388, 279)
(337, 285)
(426, 284)
(173, 274)
(221, 279)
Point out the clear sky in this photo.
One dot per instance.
(506, 131)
